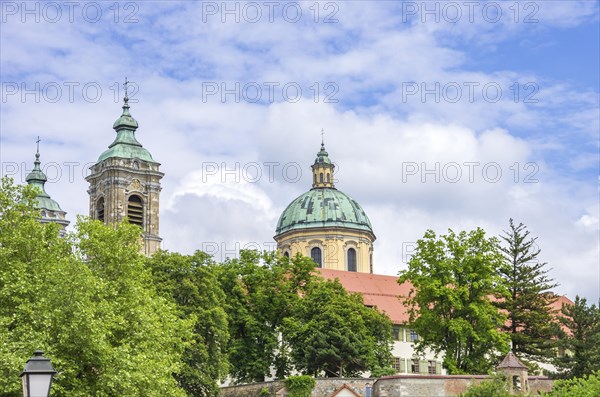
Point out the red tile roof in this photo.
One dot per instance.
(556, 306)
(384, 292)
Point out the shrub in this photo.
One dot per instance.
(493, 388)
(300, 386)
(264, 392)
(577, 387)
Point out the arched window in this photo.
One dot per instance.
(315, 254)
(321, 177)
(516, 383)
(135, 210)
(100, 209)
(351, 259)
(328, 178)
(286, 254)
(315, 178)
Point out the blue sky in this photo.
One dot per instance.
(435, 120)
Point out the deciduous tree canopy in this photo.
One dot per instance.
(88, 302)
(191, 281)
(454, 278)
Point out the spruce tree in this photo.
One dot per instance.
(579, 339)
(530, 322)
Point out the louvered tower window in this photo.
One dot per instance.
(135, 211)
(351, 259)
(100, 209)
(315, 254)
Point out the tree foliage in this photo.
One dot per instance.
(454, 278)
(261, 290)
(491, 388)
(586, 386)
(190, 280)
(332, 332)
(531, 324)
(284, 317)
(87, 301)
(579, 339)
(300, 386)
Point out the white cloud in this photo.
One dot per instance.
(383, 142)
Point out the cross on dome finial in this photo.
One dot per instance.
(37, 154)
(126, 86)
(322, 138)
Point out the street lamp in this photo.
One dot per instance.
(37, 376)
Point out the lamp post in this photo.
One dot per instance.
(37, 376)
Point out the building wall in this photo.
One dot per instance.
(404, 352)
(440, 386)
(334, 244)
(324, 387)
(393, 386)
(251, 390)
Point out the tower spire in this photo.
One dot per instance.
(132, 122)
(37, 177)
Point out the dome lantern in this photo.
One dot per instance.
(323, 169)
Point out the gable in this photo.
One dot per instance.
(345, 391)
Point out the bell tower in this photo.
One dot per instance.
(125, 183)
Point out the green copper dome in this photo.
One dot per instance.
(37, 179)
(323, 207)
(125, 145)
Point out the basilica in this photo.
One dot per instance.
(324, 223)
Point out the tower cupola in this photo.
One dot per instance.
(50, 211)
(323, 170)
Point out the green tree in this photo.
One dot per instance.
(586, 386)
(454, 278)
(492, 388)
(579, 339)
(300, 386)
(192, 282)
(261, 290)
(531, 324)
(86, 300)
(332, 332)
